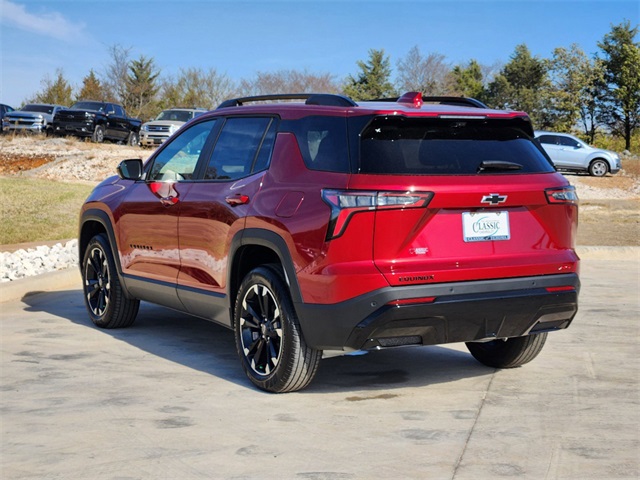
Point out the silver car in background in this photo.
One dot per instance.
(154, 133)
(569, 153)
(33, 117)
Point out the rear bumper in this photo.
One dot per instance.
(460, 312)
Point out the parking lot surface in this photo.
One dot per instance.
(167, 398)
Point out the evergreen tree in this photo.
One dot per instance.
(622, 76)
(523, 84)
(92, 88)
(468, 81)
(577, 83)
(373, 81)
(141, 88)
(57, 91)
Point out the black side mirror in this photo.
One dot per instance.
(130, 169)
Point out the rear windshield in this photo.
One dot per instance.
(400, 145)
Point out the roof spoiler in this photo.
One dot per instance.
(326, 99)
(417, 99)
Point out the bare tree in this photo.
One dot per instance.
(289, 81)
(116, 73)
(195, 87)
(427, 74)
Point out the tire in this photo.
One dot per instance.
(598, 168)
(509, 353)
(104, 297)
(269, 342)
(98, 134)
(133, 139)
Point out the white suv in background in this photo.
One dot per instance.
(154, 133)
(569, 153)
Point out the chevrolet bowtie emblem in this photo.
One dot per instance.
(494, 199)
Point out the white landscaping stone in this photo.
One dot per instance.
(34, 261)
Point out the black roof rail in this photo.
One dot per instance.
(444, 100)
(327, 99)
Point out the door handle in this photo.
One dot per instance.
(237, 199)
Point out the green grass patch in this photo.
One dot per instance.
(38, 210)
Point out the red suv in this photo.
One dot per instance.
(322, 225)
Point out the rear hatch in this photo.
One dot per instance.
(461, 199)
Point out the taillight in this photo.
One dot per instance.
(346, 203)
(562, 195)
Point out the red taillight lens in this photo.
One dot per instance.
(412, 301)
(566, 288)
(346, 203)
(562, 195)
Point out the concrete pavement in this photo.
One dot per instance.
(167, 398)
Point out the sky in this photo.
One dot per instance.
(240, 38)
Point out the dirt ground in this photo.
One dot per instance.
(609, 210)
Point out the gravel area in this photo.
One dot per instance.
(34, 261)
(70, 159)
(62, 158)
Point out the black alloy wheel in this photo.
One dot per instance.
(97, 281)
(107, 304)
(269, 340)
(261, 329)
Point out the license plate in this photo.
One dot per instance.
(485, 226)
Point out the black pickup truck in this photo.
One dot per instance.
(98, 120)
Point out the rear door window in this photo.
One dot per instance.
(243, 147)
(567, 142)
(419, 146)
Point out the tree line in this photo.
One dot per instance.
(571, 91)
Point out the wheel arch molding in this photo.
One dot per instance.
(270, 245)
(93, 222)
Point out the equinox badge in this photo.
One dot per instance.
(494, 199)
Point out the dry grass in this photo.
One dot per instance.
(39, 210)
(609, 222)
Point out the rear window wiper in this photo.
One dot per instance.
(498, 165)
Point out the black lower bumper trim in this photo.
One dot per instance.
(461, 312)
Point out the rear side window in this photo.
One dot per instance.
(238, 151)
(418, 146)
(567, 142)
(322, 141)
(548, 139)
